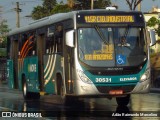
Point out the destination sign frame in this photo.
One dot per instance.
(110, 17)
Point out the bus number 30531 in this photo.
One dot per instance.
(103, 80)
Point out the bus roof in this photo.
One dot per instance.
(62, 16)
(42, 22)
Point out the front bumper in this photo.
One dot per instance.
(90, 89)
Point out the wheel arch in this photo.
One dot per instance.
(23, 79)
(59, 80)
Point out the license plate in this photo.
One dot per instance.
(116, 92)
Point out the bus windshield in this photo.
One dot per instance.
(112, 46)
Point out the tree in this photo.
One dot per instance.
(48, 5)
(60, 8)
(71, 3)
(3, 32)
(38, 12)
(98, 4)
(158, 29)
(44, 10)
(155, 23)
(133, 3)
(152, 22)
(101, 4)
(3, 35)
(48, 8)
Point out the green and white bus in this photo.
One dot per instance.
(91, 53)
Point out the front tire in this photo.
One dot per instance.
(123, 101)
(66, 99)
(28, 95)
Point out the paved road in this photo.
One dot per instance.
(92, 109)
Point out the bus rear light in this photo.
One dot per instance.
(116, 92)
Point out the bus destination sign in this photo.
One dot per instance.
(109, 19)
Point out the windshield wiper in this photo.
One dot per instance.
(101, 34)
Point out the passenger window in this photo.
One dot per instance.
(31, 44)
(51, 30)
(59, 37)
(50, 43)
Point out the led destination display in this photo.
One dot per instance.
(108, 19)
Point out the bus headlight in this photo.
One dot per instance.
(145, 76)
(83, 77)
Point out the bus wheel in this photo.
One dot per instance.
(60, 86)
(29, 95)
(26, 94)
(123, 101)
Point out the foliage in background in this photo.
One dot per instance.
(101, 4)
(60, 8)
(133, 4)
(50, 7)
(44, 10)
(98, 4)
(3, 34)
(155, 23)
(3, 52)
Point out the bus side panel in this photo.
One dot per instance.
(49, 65)
(10, 76)
(31, 72)
(53, 65)
(20, 72)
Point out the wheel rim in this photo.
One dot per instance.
(24, 89)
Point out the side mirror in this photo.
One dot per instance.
(69, 38)
(152, 36)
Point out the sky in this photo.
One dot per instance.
(8, 12)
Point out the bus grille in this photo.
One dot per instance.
(114, 72)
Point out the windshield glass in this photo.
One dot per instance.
(111, 46)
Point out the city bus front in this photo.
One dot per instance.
(112, 54)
